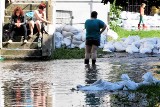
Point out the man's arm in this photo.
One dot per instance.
(103, 28)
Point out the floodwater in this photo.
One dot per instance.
(53, 83)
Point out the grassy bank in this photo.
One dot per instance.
(142, 33)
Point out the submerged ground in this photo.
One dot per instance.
(53, 83)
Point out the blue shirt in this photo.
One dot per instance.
(93, 27)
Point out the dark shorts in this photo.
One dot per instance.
(92, 42)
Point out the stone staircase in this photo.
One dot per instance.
(17, 49)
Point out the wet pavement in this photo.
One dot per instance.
(53, 83)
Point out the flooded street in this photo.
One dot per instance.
(53, 83)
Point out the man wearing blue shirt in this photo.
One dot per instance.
(94, 27)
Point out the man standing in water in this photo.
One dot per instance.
(94, 27)
(141, 20)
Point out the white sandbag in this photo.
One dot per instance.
(71, 46)
(148, 79)
(125, 77)
(70, 28)
(157, 45)
(101, 85)
(67, 34)
(67, 28)
(137, 44)
(83, 35)
(101, 45)
(151, 40)
(78, 36)
(131, 85)
(123, 39)
(132, 49)
(108, 47)
(145, 50)
(123, 15)
(119, 46)
(67, 42)
(74, 30)
(112, 34)
(149, 45)
(130, 39)
(155, 50)
(103, 39)
(82, 45)
(158, 40)
(59, 28)
(125, 84)
(58, 39)
(76, 43)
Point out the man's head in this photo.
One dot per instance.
(94, 14)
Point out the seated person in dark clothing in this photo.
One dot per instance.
(18, 24)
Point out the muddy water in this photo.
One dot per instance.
(53, 83)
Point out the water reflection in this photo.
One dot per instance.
(20, 93)
(23, 84)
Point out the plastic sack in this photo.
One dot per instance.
(125, 84)
(112, 34)
(119, 46)
(132, 49)
(67, 34)
(58, 39)
(108, 47)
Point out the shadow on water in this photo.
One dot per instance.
(91, 77)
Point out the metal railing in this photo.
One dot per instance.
(136, 8)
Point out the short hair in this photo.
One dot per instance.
(143, 4)
(42, 6)
(94, 14)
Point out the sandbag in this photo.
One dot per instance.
(112, 34)
(132, 49)
(119, 46)
(67, 34)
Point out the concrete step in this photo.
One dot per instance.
(21, 52)
(8, 13)
(24, 6)
(20, 45)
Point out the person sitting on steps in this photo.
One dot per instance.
(17, 24)
(38, 19)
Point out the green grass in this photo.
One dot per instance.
(142, 33)
(75, 53)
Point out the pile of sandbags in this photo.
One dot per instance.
(133, 44)
(71, 37)
(125, 84)
(130, 20)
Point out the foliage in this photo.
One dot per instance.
(114, 14)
